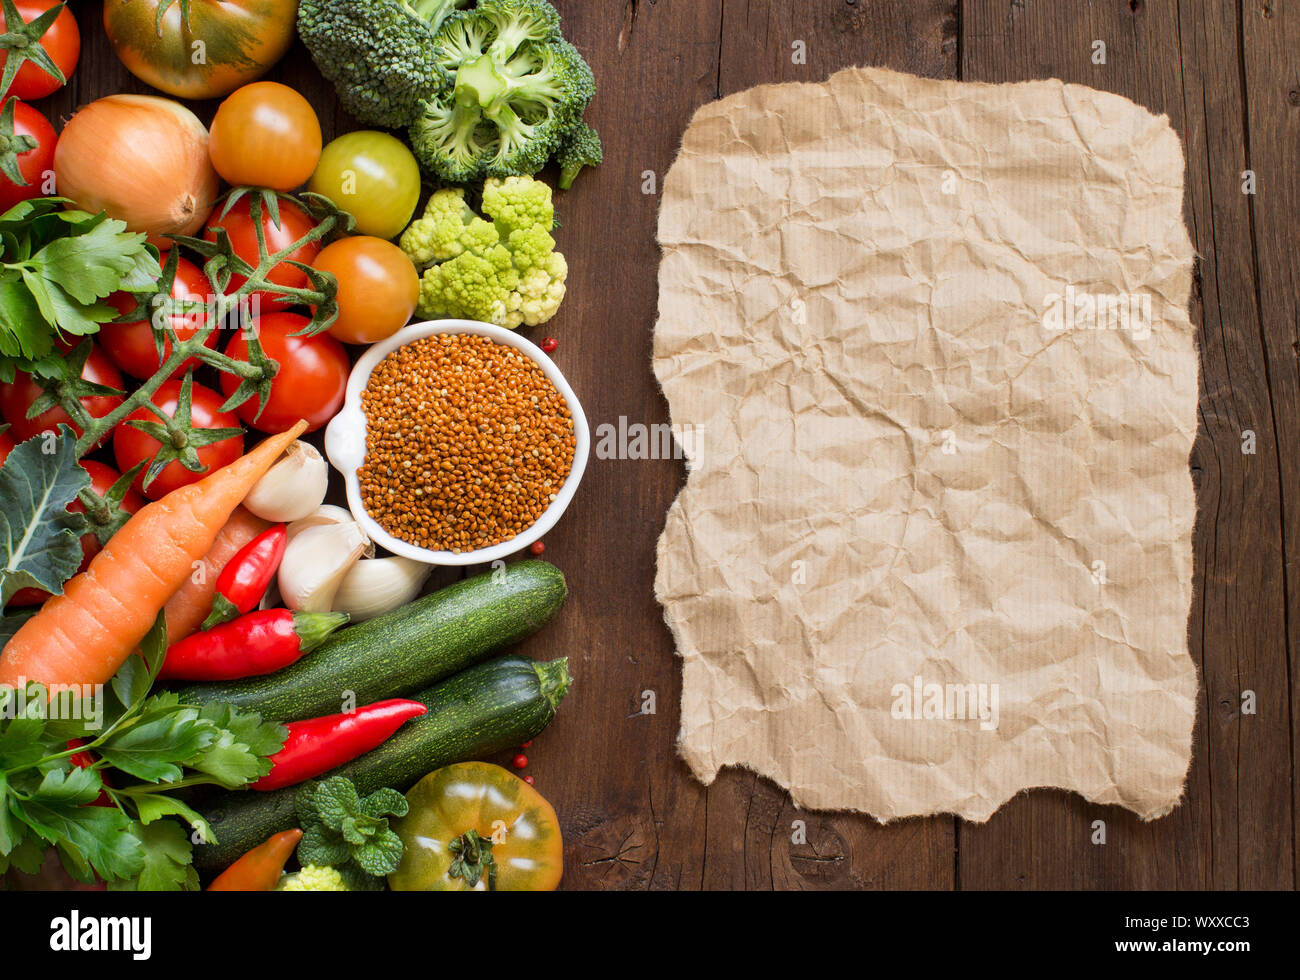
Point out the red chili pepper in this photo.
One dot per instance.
(84, 760)
(246, 577)
(259, 643)
(318, 745)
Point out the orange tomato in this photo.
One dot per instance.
(478, 815)
(265, 135)
(378, 288)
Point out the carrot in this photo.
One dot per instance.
(85, 635)
(189, 607)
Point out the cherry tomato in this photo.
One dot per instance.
(61, 41)
(265, 135)
(130, 445)
(374, 177)
(102, 479)
(130, 345)
(294, 224)
(16, 398)
(310, 384)
(34, 164)
(378, 288)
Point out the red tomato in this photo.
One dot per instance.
(130, 445)
(62, 42)
(6, 446)
(16, 398)
(312, 379)
(130, 345)
(34, 164)
(102, 479)
(294, 224)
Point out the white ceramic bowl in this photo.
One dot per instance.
(345, 442)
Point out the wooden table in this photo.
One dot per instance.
(1228, 76)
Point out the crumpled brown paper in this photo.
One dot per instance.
(935, 543)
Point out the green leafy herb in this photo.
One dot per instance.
(343, 831)
(57, 269)
(155, 742)
(40, 541)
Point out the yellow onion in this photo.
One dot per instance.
(142, 159)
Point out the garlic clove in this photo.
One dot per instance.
(316, 562)
(374, 586)
(325, 514)
(293, 488)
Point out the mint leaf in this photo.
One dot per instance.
(336, 799)
(321, 847)
(381, 855)
(385, 803)
(40, 544)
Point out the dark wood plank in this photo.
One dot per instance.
(1270, 64)
(1181, 60)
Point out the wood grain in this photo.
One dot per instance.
(1228, 76)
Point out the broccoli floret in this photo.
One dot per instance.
(380, 54)
(518, 88)
(312, 879)
(504, 271)
(581, 148)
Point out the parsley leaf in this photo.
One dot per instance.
(57, 268)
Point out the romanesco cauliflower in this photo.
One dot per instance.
(504, 271)
(312, 878)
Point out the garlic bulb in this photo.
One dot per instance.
(292, 488)
(322, 515)
(316, 562)
(379, 585)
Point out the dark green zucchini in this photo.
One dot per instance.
(486, 709)
(404, 650)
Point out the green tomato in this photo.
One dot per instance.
(374, 177)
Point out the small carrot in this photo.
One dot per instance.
(85, 635)
(190, 606)
(259, 870)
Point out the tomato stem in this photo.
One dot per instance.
(473, 860)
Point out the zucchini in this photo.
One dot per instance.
(405, 650)
(485, 709)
